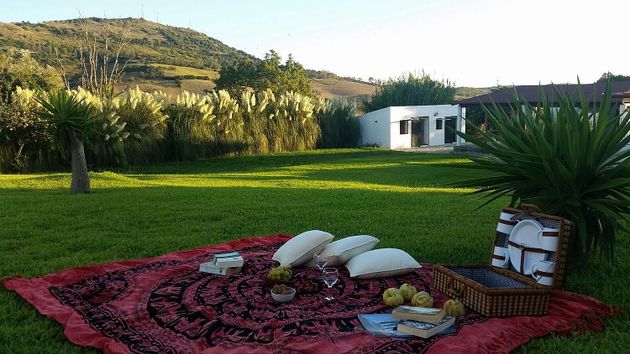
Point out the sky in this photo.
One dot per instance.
(471, 43)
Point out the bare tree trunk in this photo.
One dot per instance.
(80, 177)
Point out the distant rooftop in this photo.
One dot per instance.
(529, 93)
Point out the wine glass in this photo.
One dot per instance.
(320, 261)
(330, 276)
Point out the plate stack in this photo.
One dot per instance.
(532, 248)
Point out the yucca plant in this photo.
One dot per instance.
(571, 160)
(72, 123)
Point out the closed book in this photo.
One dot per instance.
(421, 314)
(381, 325)
(229, 262)
(425, 329)
(226, 255)
(210, 268)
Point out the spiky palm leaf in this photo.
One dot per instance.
(571, 161)
(66, 115)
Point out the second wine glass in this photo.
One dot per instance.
(330, 276)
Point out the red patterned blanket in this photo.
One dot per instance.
(164, 305)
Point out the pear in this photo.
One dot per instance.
(408, 291)
(422, 299)
(392, 297)
(454, 308)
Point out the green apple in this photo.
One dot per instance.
(422, 299)
(408, 291)
(392, 297)
(454, 308)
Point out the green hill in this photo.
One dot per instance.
(150, 42)
(161, 57)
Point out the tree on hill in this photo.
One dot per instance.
(612, 77)
(18, 68)
(410, 90)
(269, 73)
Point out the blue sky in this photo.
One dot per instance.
(474, 43)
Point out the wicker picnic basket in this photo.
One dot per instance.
(493, 291)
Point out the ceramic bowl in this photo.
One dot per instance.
(283, 298)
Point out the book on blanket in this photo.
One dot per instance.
(223, 264)
(422, 314)
(386, 325)
(381, 325)
(210, 268)
(425, 329)
(228, 260)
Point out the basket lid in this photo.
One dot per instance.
(532, 244)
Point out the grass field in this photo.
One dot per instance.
(399, 197)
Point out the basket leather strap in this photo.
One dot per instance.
(544, 274)
(524, 249)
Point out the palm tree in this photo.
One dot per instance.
(72, 123)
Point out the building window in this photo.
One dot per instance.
(404, 127)
(439, 124)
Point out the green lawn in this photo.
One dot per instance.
(399, 197)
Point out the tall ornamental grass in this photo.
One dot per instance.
(339, 124)
(137, 127)
(144, 125)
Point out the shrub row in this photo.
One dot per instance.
(137, 127)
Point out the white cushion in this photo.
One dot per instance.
(300, 248)
(340, 251)
(380, 263)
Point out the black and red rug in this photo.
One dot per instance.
(164, 305)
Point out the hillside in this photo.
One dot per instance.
(162, 57)
(150, 42)
(159, 57)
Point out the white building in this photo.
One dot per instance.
(401, 127)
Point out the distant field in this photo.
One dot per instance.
(327, 88)
(197, 86)
(176, 70)
(330, 88)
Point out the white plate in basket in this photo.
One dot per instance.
(526, 233)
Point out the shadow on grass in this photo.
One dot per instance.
(255, 163)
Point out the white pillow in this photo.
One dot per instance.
(340, 251)
(380, 263)
(300, 248)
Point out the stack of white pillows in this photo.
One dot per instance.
(356, 252)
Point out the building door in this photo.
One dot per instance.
(420, 132)
(449, 133)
